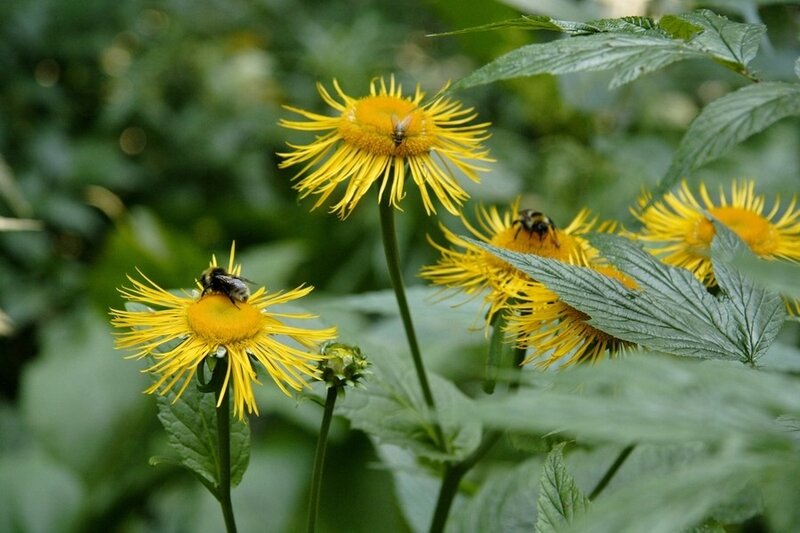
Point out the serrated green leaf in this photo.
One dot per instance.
(728, 121)
(797, 67)
(191, 425)
(506, 501)
(630, 55)
(672, 313)
(759, 312)
(560, 500)
(391, 408)
(733, 43)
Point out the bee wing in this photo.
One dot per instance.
(401, 125)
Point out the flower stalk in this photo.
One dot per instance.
(319, 459)
(393, 265)
(223, 493)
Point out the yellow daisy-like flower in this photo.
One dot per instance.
(681, 234)
(371, 139)
(556, 332)
(217, 325)
(472, 269)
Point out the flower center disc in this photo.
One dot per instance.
(387, 125)
(216, 319)
(751, 227)
(520, 240)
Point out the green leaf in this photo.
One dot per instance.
(679, 27)
(692, 493)
(506, 501)
(732, 43)
(797, 67)
(191, 425)
(728, 121)
(653, 398)
(631, 46)
(629, 55)
(672, 313)
(560, 499)
(391, 408)
(759, 312)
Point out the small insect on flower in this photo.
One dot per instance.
(218, 280)
(535, 222)
(400, 128)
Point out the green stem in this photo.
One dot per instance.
(393, 264)
(319, 459)
(494, 360)
(612, 470)
(452, 479)
(224, 445)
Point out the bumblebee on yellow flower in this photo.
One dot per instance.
(380, 138)
(215, 324)
(468, 267)
(678, 231)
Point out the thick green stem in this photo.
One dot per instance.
(612, 470)
(224, 445)
(319, 459)
(393, 264)
(452, 479)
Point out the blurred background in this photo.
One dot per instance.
(143, 134)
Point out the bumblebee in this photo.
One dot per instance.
(535, 222)
(218, 280)
(399, 128)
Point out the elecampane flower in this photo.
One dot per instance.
(214, 325)
(470, 268)
(680, 233)
(372, 139)
(554, 332)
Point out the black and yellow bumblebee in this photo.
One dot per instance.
(218, 280)
(534, 222)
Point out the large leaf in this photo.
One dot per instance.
(392, 409)
(650, 398)
(191, 425)
(631, 46)
(629, 55)
(671, 311)
(728, 121)
(560, 499)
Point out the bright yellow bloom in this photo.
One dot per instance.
(555, 332)
(469, 267)
(372, 139)
(681, 234)
(212, 325)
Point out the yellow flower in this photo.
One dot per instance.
(553, 331)
(214, 325)
(472, 269)
(681, 233)
(371, 139)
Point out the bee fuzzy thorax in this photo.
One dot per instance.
(217, 280)
(534, 222)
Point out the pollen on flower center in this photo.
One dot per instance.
(216, 320)
(387, 125)
(751, 227)
(557, 245)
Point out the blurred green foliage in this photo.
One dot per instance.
(144, 135)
